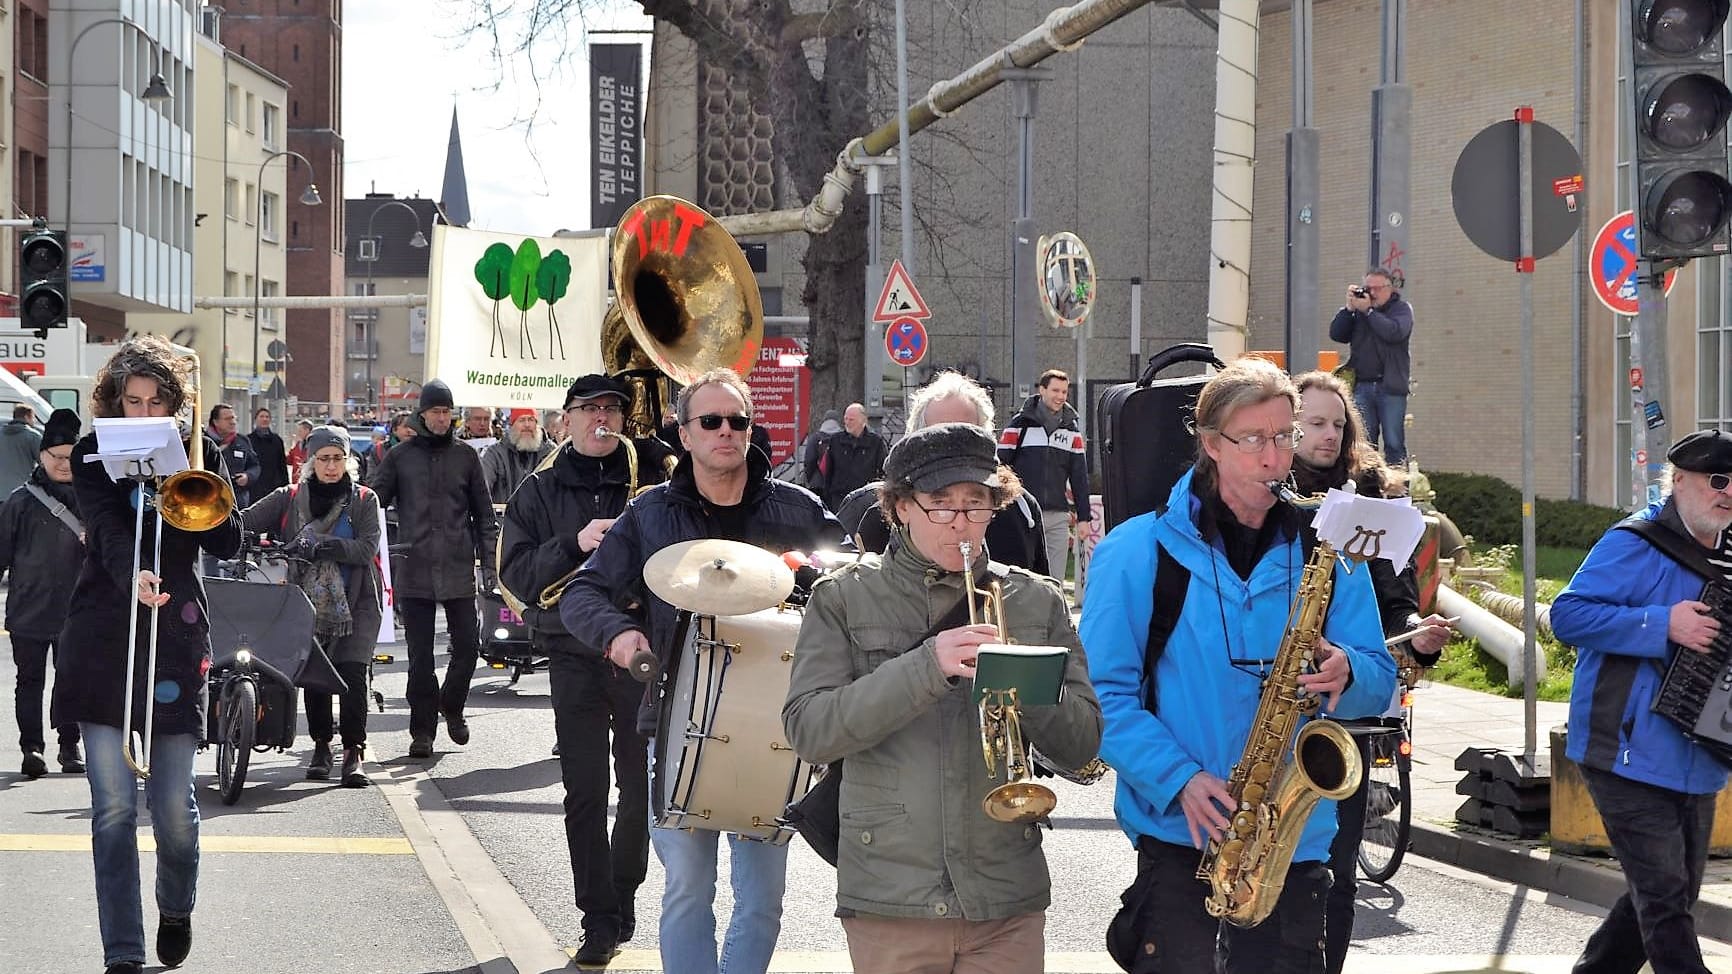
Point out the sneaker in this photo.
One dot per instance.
(33, 766)
(421, 747)
(353, 777)
(319, 765)
(173, 940)
(458, 727)
(597, 950)
(71, 758)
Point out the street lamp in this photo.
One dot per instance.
(419, 242)
(309, 197)
(156, 90)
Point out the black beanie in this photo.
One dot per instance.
(61, 429)
(435, 394)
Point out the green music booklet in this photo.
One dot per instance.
(1037, 672)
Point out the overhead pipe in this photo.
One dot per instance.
(1063, 30)
(316, 301)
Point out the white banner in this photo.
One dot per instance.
(512, 320)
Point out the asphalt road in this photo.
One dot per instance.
(466, 870)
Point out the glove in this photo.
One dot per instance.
(324, 546)
(301, 547)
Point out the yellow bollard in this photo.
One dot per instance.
(1576, 826)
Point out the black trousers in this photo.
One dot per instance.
(1660, 838)
(1180, 937)
(427, 698)
(352, 707)
(591, 698)
(1344, 864)
(31, 657)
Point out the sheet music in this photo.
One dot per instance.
(1364, 528)
(145, 447)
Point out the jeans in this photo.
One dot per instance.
(1344, 863)
(352, 708)
(427, 699)
(591, 698)
(1385, 416)
(1660, 838)
(173, 802)
(1180, 937)
(1055, 528)
(688, 924)
(31, 657)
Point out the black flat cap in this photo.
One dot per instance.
(594, 386)
(934, 457)
(1704, 451)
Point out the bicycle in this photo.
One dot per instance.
(1389, 792)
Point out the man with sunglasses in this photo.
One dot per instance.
(720, 489)
(1634, 603)
(1376, 325)
(1187, 607)
(554, 521)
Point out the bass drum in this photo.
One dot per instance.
(722, 761)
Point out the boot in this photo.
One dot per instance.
(71, 758)
(457, 726)
(319, 765)
(352, 776)
(421, 746)
(33, 766)
(173, 940)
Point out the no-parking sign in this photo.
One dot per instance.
(1613, 262)
(905, 342)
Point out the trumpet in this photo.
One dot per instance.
(1018, 799)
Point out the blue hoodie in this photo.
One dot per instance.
(1206, 705)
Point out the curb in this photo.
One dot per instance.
(1579, 878)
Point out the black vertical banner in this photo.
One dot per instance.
(615, 131)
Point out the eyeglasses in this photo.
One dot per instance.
(1255, 442)
(590, 409)
(329, 458)
(945, 515)
(62, 457)
(1719, 481)
(713, 422)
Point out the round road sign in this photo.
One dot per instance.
(1612, 266)
(905, 341)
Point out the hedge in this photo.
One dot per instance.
(1490, 510)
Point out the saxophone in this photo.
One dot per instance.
(1285, 769)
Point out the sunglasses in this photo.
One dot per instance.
(1719, 481)
(713, 422)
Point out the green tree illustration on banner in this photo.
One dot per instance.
(552, 279)
(493, 270)
(524, 277)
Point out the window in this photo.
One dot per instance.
(295, 53)
(268, 216)
(268, 125)
(247, 282)
(361, 290)
(232, 109)
(268, 316)
(231, 284)
(33, 39)
(252, 203)
(232, 199)
(1713, 343)
(251, 107)
(369, 248)
(360, 348)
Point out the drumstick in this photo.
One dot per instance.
(1412, 634)
(644, 666)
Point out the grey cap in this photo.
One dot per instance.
(323, 436)
(934, 457)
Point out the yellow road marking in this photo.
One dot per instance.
(292, 844)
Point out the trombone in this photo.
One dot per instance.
(192, 500)
(1019, 799)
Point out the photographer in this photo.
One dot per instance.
(1376, 325)
(331, 524)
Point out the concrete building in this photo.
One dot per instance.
(130, 174)
(393, 340)
(237, 124)
(301, 41)
(1122, 137)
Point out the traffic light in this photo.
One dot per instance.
(43, 298)
(1683, 198)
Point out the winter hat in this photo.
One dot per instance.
(325, 436)
(61, 429)
(435, 394)
(513, 415)
(934, 457)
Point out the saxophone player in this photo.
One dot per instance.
(554, 520)
(1185, 611)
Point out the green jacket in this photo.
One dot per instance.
(914, 840)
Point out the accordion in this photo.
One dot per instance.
(1697, 691)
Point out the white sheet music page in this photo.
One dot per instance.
(1364, 528)
(146, 446)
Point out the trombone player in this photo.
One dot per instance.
(144, 378)
(926, 878)
(556, 518)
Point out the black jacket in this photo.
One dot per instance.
(854, 461)
(43, 555)
(90, 672)
(273, 462)
(444, 515)
(505, 466)
(238, 458)
(1377, 343)
(1013, 537)
(1047, 463)
(782, 517)
(538, 538)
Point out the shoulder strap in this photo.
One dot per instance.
(1172, 582)
(1680, 549)
(283, 525)
(57, 509)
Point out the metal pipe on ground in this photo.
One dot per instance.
(1497, 637)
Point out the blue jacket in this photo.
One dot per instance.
(1204, 704)
(1615, 612)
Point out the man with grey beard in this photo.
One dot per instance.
(1636, 602)
(515, 457)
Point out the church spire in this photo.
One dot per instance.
(454, 195)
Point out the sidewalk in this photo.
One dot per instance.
(1448, 720)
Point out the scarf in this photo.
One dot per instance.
(322, 578)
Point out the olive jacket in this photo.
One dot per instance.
(915, 841)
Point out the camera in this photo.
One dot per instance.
(1360, 291)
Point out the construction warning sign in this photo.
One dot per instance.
(899, 299)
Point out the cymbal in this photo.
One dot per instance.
(714, 577)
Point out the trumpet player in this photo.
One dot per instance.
(1185, 611)
(144, 378)
(553, 522)
(926, 880)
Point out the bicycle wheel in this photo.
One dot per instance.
(239, 720)
(1388, 808)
